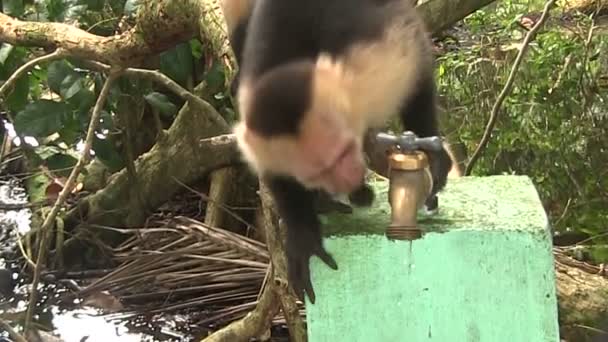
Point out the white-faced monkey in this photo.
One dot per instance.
(315, 76)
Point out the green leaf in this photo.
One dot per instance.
(56, 9)
(197, 48)
(162, 103)
(69, 135)
(93, 5)
(216, 77)
(75, 12)
(58, 71)
(17, 99)
(131, 7)
(107, 153)
(71, 87)
(82, 101)
(41, 118)
(5, 51)
(61, 164)
(44, 152)
(71, 130)
(14, 8)
(63, 80)
(177, 63)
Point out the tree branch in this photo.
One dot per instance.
(162, 79)
(275, 237)
(4, 89)
(441, 14)
(255, 323)
(11, 332)
(507, 88)
(67, 189)
(160, 25)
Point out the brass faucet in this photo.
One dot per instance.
(410, 180)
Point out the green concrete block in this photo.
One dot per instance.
(483, 273)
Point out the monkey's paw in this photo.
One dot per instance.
(300, 247)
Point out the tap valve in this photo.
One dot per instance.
(410, 181)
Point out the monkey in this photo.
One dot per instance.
(237, 14)
(314, 77)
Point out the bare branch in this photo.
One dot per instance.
(275, 237)
(160, 25)
(441, 14)
(507, 88)
(67, 189)
(255, 323)
(162, 79)
(11, 332)
(4, 89)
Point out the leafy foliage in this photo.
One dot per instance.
(53, 103)
(553, 126)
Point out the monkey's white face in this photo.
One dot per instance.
(322, 156)
(327, 152)
(325, 155)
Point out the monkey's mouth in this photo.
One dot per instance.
(344, 174)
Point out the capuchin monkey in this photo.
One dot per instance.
(237, 14)
(314, 77)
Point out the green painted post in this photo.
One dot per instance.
(484, 273)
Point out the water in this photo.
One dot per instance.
(80, 323)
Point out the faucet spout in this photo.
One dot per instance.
(410, 185)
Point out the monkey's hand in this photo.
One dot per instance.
(440, 163)
(302, 243)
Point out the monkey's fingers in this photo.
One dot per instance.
(293, 275)
(307, 283)
(327, 258)
(299, 278)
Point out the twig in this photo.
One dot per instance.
(57, 54)
(67, 189)
(180, 91)
(507, 88)
(11, 332)
(254, 323)
(583, 77)
(275, 243)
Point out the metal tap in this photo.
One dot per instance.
(410, 180)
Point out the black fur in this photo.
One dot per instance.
(281, 114)
(419, 114)
(283, 31)
(296, 206)
(362, 197)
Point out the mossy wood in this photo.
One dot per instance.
(484, 272)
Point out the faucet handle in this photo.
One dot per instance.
(409, 142)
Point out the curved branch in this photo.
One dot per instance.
(255, 323)
(507, 88)
(67, 189)
(275, 240)
(11, 332)
(162, 79)
(57, 54)
(161, 25)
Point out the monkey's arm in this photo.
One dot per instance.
(295, 205)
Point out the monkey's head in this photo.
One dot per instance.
(298, 121)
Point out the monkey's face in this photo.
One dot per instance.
(298, 123)
(324, 154)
